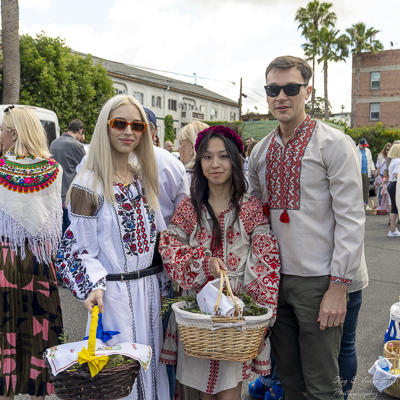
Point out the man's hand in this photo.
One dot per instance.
(333, 308)
(215, 265)
(95, 297)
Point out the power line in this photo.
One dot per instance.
(177, 73)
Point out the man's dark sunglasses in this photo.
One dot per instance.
(292, 89)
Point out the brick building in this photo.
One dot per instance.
(379, 91)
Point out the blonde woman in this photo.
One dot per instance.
(187, 138)
(106, 256)
(30, 231)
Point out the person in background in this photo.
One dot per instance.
(385, 195)
(307, 176)
(156, 141)
(30, 231)
(168, 145)
(115, 218)
(69, 151)
(367, 166)
(187, 138)
(394, 165)
(198, 244)
(381, 166)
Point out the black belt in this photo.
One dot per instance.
(127, 276)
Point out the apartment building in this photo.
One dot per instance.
(379, 91)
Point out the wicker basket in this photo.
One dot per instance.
(371, 208)
(111, 383)
(393, 390)
(221, 338)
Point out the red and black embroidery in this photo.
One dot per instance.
(283, 168)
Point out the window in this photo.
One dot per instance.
(139, 97)
(375, 80)
(374, 111)
(223, 114)
(203, 109)
(214, 114)
(156, 101)
(119, 91)
(233, 116)
(172, 104)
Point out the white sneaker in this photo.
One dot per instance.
(395, 233)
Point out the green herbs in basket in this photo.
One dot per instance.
(251, 308)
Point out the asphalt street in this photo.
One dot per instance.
(383, 260)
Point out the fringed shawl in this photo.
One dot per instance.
(30, 205)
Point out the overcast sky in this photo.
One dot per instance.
(222, 40)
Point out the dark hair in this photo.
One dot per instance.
(199, 189)
(75, 126)
(286, 62)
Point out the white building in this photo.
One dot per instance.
(343, 116)
(186, 102)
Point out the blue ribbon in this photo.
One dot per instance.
(105, 336)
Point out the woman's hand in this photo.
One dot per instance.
(95, 297)
(215, 265)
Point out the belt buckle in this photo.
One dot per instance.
(122, 276)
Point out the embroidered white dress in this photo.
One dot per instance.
(250, 252)
(119, 237)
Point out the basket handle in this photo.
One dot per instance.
(224, 276)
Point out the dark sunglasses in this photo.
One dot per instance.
(121, 124)
(292, 89)
(9, 108)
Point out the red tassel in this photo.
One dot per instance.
(284, 218)
(266, 209)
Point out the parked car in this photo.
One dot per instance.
(47, 117)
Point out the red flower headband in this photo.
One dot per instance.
(220, 130)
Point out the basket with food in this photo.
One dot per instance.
(92, 370)
(219, 337)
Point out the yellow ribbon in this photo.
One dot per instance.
(96, 363)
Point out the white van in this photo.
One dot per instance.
(48, 119)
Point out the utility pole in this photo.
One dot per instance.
(240, 101)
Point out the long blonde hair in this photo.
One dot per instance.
(31, 136)
(99, 159)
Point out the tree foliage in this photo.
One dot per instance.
(361, 40)
(54, 77)
(311, 19)
(377, 136)
(169, 128)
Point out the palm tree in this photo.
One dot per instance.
(361, 40)
(311, 19)
(11, 57)
(331, 48)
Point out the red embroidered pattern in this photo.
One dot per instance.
(203, 236)
(213, 377)
(231, 235)
(342, 281)
(283, 168)
(186, 217)
(252, 215)
(233, 261)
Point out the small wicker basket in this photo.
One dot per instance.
(221, 338)
(393, 390)
(112, 383)
(370, 210)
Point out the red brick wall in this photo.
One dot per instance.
(389, 87)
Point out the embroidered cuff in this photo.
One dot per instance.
(101, 284)
(341, 281)
(206, 267)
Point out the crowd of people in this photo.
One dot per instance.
(128, 224)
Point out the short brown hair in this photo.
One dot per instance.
(286, 62)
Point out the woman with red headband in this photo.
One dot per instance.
(218, 227)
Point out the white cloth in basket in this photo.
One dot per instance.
(382, 379)
(207, 297)
(63, 356)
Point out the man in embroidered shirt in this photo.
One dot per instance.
(307, 174)
(68, 151)
(367, 166)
